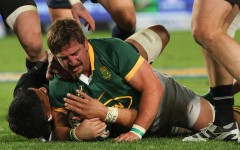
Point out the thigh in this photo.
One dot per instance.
(178, 106)
(27, 27)
(119, 8)
(210, 14)
(7, 7)
(57, 13)
(234, 2)
(58, 4)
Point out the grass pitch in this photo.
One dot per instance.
(181, 52)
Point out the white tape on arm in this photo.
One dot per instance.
(112, 115)
(72, 2)
(150, 41)
(138, 130)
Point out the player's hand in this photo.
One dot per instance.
(85, 106)
(54, 67)
(129, 136)
(90, 129)
(80, 12)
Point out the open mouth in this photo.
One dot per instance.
(75, 69)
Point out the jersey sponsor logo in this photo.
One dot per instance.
(117, 102)
(106, 74)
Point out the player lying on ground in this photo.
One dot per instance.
(22, 122)
(109, 71)
(166, 116)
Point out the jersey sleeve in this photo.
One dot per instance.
(120, 56)
(58, 90)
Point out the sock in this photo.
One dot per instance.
(39, 65)
(209, 97)
(236, 109)
(121, 34)
(223, 102)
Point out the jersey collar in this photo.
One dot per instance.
(91, 56)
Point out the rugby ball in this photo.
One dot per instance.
(74, 121)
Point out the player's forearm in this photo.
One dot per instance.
(126, 117)
(149, 105)
(62, 133)
(61, 127)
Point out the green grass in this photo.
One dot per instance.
(182, 52)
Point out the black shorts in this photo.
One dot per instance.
(9, 6)
(233, 2)
(60, 3)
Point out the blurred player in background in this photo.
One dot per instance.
(23, 19)
(122, 12)
(214, 23)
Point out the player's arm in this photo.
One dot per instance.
(79, 11)
(61, 126)
(145, 81)
(88, 107)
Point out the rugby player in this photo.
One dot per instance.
(213, 25)
(122, 12)
(106, 72)
(23, 19)
(23, 123)
(173, 93)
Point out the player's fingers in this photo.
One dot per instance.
(73, 105)
(120, 138)
(76, 98)
(94, 119)
(91, 24)
(84, 95)
(75, 109)
(49, 76)
(101, 127)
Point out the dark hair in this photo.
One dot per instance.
(62, 32)
(26, 115)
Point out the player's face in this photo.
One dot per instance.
(43, 96)
(74, 57)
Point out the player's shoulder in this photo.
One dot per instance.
(105, 40)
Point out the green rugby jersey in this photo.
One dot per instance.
(113, 63)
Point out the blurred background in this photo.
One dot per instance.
(173, 14)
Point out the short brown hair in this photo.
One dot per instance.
(62, 32)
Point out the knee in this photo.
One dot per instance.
(204, 36)
(163, 33)
(126, 20)
(130, 22)
(33, 46)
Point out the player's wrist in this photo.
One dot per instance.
(72, 2)
(73, 136)
(112, 115)
(138, 130)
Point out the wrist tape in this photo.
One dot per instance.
(112, 115)
(73, 136)
(138, 130)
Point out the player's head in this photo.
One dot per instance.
(69, 45)
(62, 32)
(29, 113)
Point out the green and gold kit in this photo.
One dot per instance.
(113, 64)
